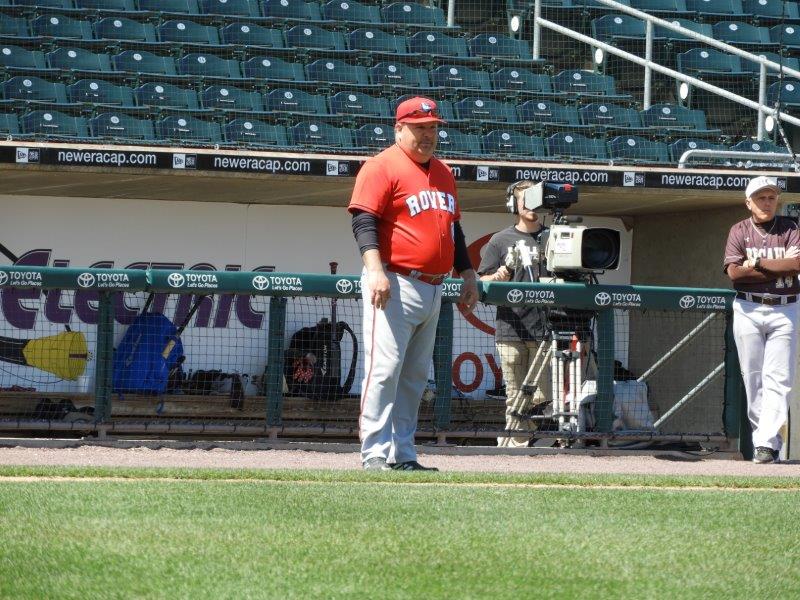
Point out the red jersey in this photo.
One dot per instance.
(416, 209)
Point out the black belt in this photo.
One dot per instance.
(414, 274)
(768, 300)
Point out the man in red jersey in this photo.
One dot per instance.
(406, 224)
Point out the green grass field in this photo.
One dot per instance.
(159, 533)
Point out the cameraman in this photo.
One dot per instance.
(518, 330)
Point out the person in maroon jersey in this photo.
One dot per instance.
(406, 224)
(762, 258)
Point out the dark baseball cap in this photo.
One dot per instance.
(418, 110)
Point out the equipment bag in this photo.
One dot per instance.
(147, 353)
(312, 363)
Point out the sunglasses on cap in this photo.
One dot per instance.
(421, 112)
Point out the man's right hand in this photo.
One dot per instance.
(502, 274)
(379, 288)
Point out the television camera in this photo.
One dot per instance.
(572, 250)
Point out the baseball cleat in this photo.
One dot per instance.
(765, 455)
(411, 465)
(376, 463)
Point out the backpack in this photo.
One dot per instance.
(140, 366)
(312, 362)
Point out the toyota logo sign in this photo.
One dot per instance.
(261, 282)
(176, 280)
(686, 302)
(514, 296)
(344, 286)
(86, 280)
(602, 299)
(3, 278)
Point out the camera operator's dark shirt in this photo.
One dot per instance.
(526, 323)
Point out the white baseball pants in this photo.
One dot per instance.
(766, 342)
(398, 348)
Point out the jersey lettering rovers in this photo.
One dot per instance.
(431, 200)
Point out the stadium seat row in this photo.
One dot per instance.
(535, 114)
(404, 13)
(764, 10)
(304, 35)
(186, 129)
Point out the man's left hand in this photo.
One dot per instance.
(469, 291)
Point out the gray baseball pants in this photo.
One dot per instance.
(766, 341)
(398, 347)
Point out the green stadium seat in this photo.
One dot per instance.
(375, 136)
(17, 58)
(612, 119)
(750, 65)
(231, 8)
(319, 135)
(661, 8)
(123, 29)
(360, 104)
(675, 120)
(185, 31)
(483, 110)
(637, 150)
(522, 81)
(52, 123)
(675, 38)
(78, 59)
(272, 69)
(331, 70)
(679, 146)
(44, 3)
(453, 142)
(14, 26)
(227, 97)
(141, 61)
(372, 40)
(578, 82)
(548, 114)
(208, 65)
(185, 128)
(435, 43)
(99, 91)
(351, 11)
(715, 8)
(306, 35)
(252, 132)
(570, 145)
(60, 26)
(777, 10)
(167, 96)
(412, 13)
(115, 5)
(509, 142)
(180, 7)
(759, 146)
(741, 34)
(710, 62)
(287, 100)
(460, 77)
(787, 92)
(393, 73)
(786, 35)
(28, 88)
(9, 123)
(614, 27)
(499, 46)
(248, 34)
(296, 10)
(119, 126)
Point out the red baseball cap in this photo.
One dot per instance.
(418, 110)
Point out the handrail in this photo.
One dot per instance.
(777, 156)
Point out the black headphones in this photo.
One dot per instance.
(511, 200)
